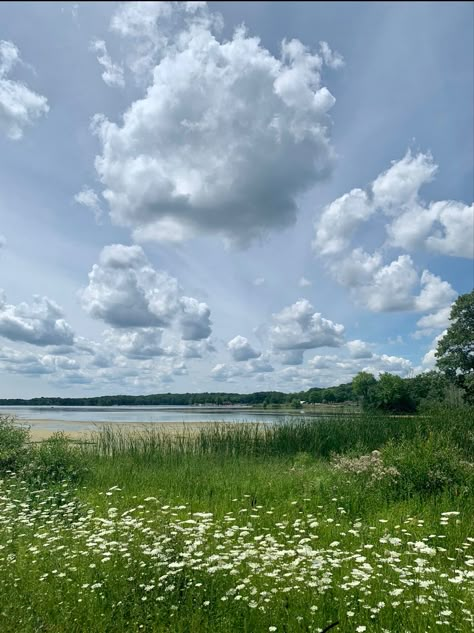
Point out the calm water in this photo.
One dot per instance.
(86, 417)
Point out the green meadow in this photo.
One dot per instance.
(360, 522)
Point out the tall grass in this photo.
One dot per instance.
(320, 437)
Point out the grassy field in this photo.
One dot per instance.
(363, 521)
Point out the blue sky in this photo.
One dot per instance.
(230, 197)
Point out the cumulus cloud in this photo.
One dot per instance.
(252, 368)
(224, 373)
(392, 287)
(225, 139)
(193, 349)
(400, 184)
(88, 198)
(429, 323)
(113, 73)
(297, 328)
(39, 323)
(359, 349)
(445, 227)
(241, 350)
(339, 221)
(138, 344)
(19, 105)
(126, 291)
(20, 362)
(194, 319)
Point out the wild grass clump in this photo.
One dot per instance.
(51, 461)
(430, 465)
(13, 444)
(321, 437)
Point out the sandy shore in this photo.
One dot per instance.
(42, 429)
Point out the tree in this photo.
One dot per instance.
(392, 394)
(455, 351)
(363, 386)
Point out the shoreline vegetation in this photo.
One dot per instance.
(365, 520)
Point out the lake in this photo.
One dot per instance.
(86, 417)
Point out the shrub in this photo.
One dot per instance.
(13, 444)
(429, 465)
(54, 460)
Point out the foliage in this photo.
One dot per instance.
(13, 444)
(55, 460)
(363, 386)
(455, 351)
(430, 465)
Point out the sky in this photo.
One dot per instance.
(232, 196)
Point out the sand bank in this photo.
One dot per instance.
(42, 429)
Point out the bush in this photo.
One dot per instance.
(13, 444)
(429, 465)
(55, 460)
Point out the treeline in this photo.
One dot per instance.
(259, 398)
(389, 392)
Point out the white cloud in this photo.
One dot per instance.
(193, 349)
(339, 220)
(126, 291)
(392, 287)
(139, 344)
(400, 184)
(356, 269)
(19, 106)
(260, 365)
(224, 373)
(443, 227)
(20, 362)
(435, 321)
(304, 283)
(39, 323)
(225, 139)
(253, 368)
(113, 73)
(434, 294)
(359, 349)
(331, 58)
(428, 361)
(241, 350)
(87, 197)
(297, 328)
(259, 281)
(195, 319)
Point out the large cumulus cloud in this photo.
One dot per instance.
(126, 292)
(298, 328)
(225, 138)
(445, 227)
(39, 323)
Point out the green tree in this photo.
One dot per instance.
(393, 394)
(363, 387)
(455, 351)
